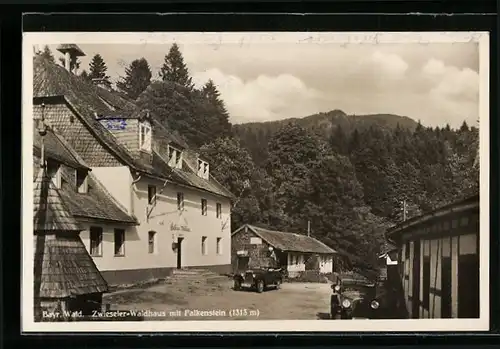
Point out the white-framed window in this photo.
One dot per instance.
(151, 241)
(219, 246)
(96, 241)
(82, 185)
(180, 201)
(204, 245)
(203, 169)
(174, 157)
(204, 207)
(54, 172)
(119, 242)
(218, 210)
(145, 136)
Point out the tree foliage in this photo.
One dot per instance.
(137, 78)
(174, 69)
(348, 176)
(98, 70)
(46, 53)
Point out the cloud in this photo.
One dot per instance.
(391, 64)
(453, 91)
(264, 97)
(436, 83)
(451, 82)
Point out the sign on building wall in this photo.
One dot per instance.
(255, 241)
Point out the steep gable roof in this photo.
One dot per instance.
(97, 203)
(289, 241)
(49, 211)
(90, 103)
(57, 148)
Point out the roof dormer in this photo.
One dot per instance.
(203, 169)
(82, 182)
(145, 135)
(174, 157)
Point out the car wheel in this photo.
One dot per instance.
(260, 286)
(237, 285)
(278, 284)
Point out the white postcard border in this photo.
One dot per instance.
(31, 40)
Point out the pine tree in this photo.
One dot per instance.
(137, 78)
(98, 70)
(338, 141)
(174, 69)
(464, 127)
(85, 75)
(219, 117)
(47, 53)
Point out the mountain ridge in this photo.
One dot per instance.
(255, 135)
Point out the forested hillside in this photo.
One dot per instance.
(256, 135)
(350, 187)
(346, 174)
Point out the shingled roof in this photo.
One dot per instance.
(90, 103)
(288, 241)
(49, 212)
(62, 265)
(57, 148)
(63, 268)
(97, 203)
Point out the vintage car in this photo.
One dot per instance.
(259, 279)
(357, 300)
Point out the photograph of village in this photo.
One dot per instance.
(255, 181)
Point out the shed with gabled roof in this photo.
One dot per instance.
(254, 246)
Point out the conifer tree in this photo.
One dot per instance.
(47, 53)
(98, 69)
(137, 78)
(174, 69)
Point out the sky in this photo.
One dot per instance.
(436, 83)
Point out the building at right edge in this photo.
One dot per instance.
(439, 261)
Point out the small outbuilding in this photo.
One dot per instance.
(253, 246)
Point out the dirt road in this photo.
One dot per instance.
(214, 299)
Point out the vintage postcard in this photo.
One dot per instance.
(267, 182)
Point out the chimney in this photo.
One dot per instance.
(71, 53)
(308, 228)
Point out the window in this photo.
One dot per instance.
(219, 210)
(204, 245)
(151, 194)
(145, 136)
(174, 157)
(151, 241)
(426, 280)
(218, 246)
(81, 181)
(96, 241)
(180, 201)
(119, 242)
(204, 207)
(54, 172)
(203, 169)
